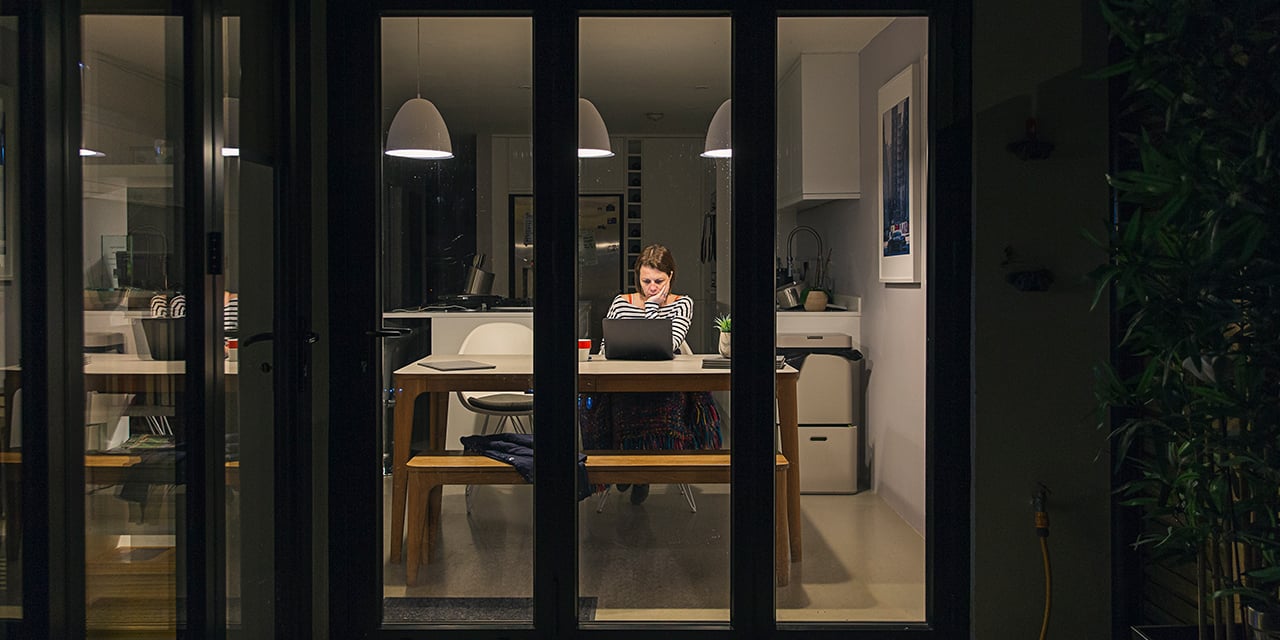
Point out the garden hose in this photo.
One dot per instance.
(1042, 531)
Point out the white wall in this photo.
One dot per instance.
(893, 316)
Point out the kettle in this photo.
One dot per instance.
(479, 281)
(788, 296)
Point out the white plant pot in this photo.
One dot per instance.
(724, 344)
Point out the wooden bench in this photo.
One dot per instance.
(427, 472)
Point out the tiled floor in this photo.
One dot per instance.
(659, 561)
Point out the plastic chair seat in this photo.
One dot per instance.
(505, 402)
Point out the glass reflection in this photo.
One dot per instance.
(863, 553)
(229, 178)
(135, 309)
(457, 282)
(10, 327)
(653, 539)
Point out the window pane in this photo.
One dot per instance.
(135, 308)
(11, 321)
(457, 277)
(654, 537)
(229, 178)
(863, 553)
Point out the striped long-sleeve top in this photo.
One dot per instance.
(680, 310)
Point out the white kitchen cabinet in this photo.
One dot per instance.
(818, 131)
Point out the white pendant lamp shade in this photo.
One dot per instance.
(86, 152)
(593, 136)
(418, 131)
(231, 127)
(719, 141)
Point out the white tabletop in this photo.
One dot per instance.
(108, 364)
(523, 364)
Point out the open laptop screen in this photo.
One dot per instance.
(637, 338)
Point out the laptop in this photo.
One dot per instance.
(637, 339)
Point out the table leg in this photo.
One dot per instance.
(439, 427)
(789, 428)
(417, 524)
(402, 432)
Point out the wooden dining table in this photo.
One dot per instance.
(515, 373)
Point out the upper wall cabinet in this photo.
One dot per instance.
(818, 131)
(596, 175)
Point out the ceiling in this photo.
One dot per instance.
(658, 76)
(661, 76)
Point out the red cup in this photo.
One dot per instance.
(584, 348)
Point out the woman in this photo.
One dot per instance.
(662, 420)
(655, 269)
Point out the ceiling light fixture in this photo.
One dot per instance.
(593, 136)
(418, 130)
(719, 135)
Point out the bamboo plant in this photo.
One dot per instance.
(1192, 400)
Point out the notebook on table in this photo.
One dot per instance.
(457, 365)
(637, 339)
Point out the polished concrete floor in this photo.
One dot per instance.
(651, 562)
(659, 561)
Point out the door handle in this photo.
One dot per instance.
(310, 337)
(390, 332)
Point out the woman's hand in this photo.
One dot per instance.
(661, 296)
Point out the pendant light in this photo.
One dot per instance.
(719, 139)
(86, 150)
(593, 136)
(418, 130)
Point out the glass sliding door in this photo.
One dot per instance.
(10, 322)
(851, 159)
(134, 319)
(729, 487)
(654, 536)
(455, 282)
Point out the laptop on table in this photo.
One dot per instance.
(637, 339)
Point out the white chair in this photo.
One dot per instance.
(498, 338)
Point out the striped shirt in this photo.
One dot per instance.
(231, 317)
(679, 310)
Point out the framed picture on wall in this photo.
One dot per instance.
(900, 239)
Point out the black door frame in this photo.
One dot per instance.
(51, 272)
(354, 480)
(53, 323)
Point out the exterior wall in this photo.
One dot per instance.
(1034, 420)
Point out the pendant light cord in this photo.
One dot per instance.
(417, 60)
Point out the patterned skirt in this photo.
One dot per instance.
(673, 420)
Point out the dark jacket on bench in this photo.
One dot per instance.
(516, 449)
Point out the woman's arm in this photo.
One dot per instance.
(681, 314)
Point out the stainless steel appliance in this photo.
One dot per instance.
(600, 267)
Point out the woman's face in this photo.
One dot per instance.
(652, 281)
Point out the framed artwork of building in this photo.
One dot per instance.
(898, 200)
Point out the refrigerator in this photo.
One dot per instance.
(600, 268)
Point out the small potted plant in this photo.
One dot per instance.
(725, 324)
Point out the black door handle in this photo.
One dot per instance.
(391, 332)
(310, 337)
